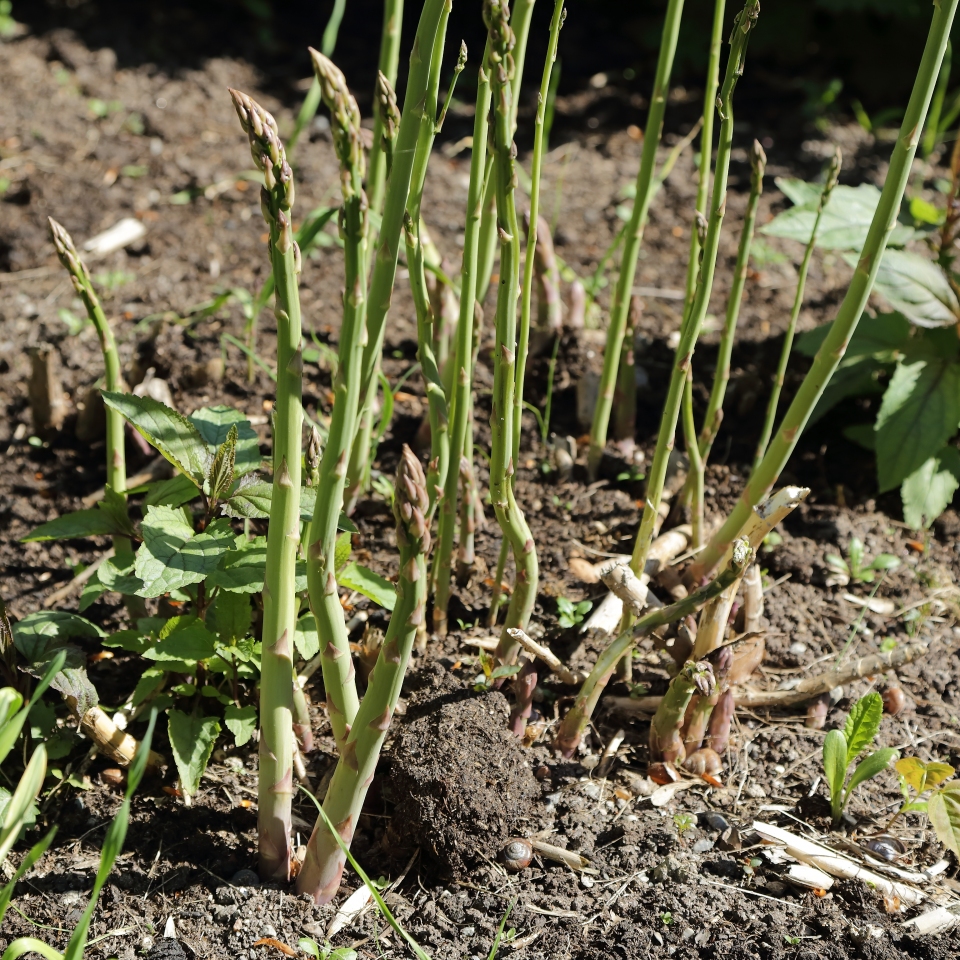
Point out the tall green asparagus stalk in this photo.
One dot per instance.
(578, 716)
(461, 403)
(721, 377)
(520, 24)
(379, 166)
(690, 329)
(323, 867)
(336, 661)
(530, 263)
(391, 224)
(502, 464)
(283, 533)
(113, 379)
(706, 141)
(833, 174)
(436, 396)
(834, 345)
(634, 235)
(358, 470)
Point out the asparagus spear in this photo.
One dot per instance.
(380, 159)
(665, 741)
(721, 376)
(634, 234)
(283, 532)
(502, 462)
(577, 718)
(358, 470)
(394, 208)
(833, 174)
(462, 400)
(323, 867)
(834, 345)
(625, 397)
(336, 662)
(690, 330)
(113, 379)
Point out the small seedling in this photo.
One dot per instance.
(313, 949)
(684, 822)
(570, 613)
(854, 568)
(666, 917)
(842, 747)
(942, 805)
(492, 672)
(633, 475)
(793, 941)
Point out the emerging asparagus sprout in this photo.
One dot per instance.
(283, 535)
(323, 867)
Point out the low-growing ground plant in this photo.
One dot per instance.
(841, 748)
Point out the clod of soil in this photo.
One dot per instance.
(462, 784)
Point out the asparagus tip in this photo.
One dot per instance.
(412, 503)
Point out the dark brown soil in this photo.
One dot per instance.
(457, 787)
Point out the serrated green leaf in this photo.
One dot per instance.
(221, 474)
(173, 435)
(855, 378)
(192, 740)
(929, 490)
(914, 772)
(835, 766)
(342, 551)
(230, 616)
(370, 584)
(151, 680)
(214, 425)
(863, 721)
(174, 492)
(252, 499)
(241, 722)
(878, 336)
(919, 414)
(916, 287)
(172, 556)
(875, 763)
(114, 506)
(242, 569)
(845, 221)
(188, 645)
(943, 809)
(799, 192)
(40, 637)
(70, 526)
(131, 640)
(112, 577)
(306, 638)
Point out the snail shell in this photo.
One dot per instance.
(516, 853)
(887, 847)
(894, 700)
(663, 773)
(703, 761)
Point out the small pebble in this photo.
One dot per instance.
(798, 648)
(468, 931)
(714, 821)
(269, 930)
(702, 846)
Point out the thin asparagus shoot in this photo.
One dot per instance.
(690, 330)
(436, 396)
(358, 470)
(695, 467)
(833, 173)
(113, 379)
(577, 718)
(323, 866)
(283, 533)
(391, 223)
(848, 316)
(379, 164)
(502, 461)
(461, 403)
(625, 398)
(706, 141)
(337, 664)
(634, 235)
(721, 377)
